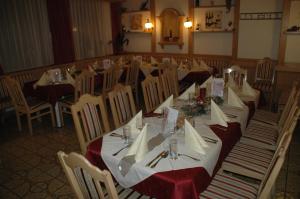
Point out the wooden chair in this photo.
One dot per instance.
(276, 119)
(87, 181)
(132, 75)
(267, 136)
(121, 104)
(84, 84)
(264, 77)
(253, 162)
(90, 119)
(110, 79)
(226, 186)
(169, 84)
(32, 108)
(152, 93)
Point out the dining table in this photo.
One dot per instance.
(176, 179)
(53, 92)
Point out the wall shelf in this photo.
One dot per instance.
(213, 6)
(163, 43)
(292, 33)
(217, 31)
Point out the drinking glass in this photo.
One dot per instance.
(191, 98)
(139, 123)
(126, 134)
(173, 149)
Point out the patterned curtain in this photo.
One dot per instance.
(91, 26)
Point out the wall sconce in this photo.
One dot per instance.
(188, 23)
(148, 25)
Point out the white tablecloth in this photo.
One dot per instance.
(139, 171)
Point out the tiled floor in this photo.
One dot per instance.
(29, 167)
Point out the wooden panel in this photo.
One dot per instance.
(284, 27)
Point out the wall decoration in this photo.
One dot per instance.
(136, 22)
(261, 16)
(213, 19)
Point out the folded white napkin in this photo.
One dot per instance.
(195, 63)
(233, 99)
(217, 115)
(91, 69)
(208, 81)
(167, 103)
(185, 95)
(247, 89)
(43, 81)
(72, 69)
(173, 61)
(231, 83)
(133, 121)
(70, 79)
(95, 65)
(205, 66)
(139, 147)
(153, 60)
(193, 139)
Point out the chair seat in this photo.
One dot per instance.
(248, 160)
(225, 186)
(261, 133)
(266, 116)
(35, 103)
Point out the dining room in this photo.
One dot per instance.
(162, 99)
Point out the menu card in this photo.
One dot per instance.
(217, 87)
(170, 120)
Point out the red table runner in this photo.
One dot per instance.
(176, 184)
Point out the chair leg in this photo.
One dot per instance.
(29, 123)
(18, 121)
(52, 116)
(61, 115)
(39, 117)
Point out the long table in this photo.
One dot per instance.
(177, 184)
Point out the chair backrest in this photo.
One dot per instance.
(152, 93)
(265, 70)
(132, 73)
(87, 181)
(16, 94)
(167, 79)
(110, 79)
(275, 166)
(238, 74)
(121, 104)
(90, 119)
(84, 83)
(292, 97)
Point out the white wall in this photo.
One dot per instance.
(259, 38)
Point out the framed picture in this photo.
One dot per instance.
(136, 22)
(214, 19)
